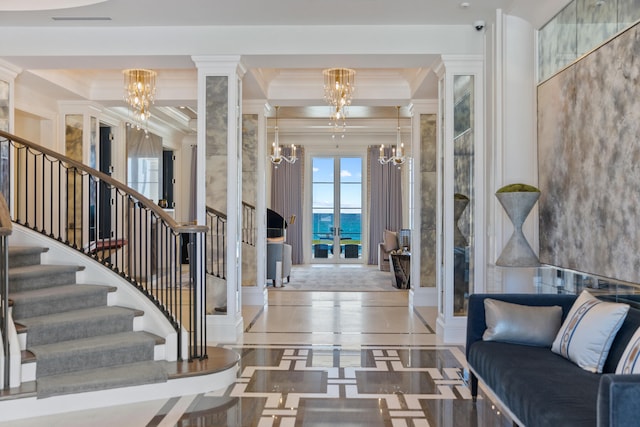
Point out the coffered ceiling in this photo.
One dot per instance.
(79, 52)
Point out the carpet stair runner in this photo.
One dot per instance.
(77, 341)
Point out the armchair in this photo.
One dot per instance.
(389, 243)
(278, 252)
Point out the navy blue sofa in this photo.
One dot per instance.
(541, 388)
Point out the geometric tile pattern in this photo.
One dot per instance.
(372, 386)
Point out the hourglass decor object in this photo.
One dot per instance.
(460, 202)
(517, 201)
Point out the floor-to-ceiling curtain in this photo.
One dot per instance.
(385, 199)
(144, 166)
(287, 183)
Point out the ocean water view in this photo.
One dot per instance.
(350, 224)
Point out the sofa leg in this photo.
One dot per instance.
(473, 382)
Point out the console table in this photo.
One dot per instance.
(401, 269)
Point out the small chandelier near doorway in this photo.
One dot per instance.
(338, 91)
(397, 153)
(276, 156)
(139, 94)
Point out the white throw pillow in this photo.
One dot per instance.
(588, 331)
(630, 361)
(521, 324)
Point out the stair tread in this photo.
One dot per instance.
(17, 250)
(97, 342)
(62, 291)
(42, 269)
(22, 325)
(58, 290)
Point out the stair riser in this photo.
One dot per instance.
(24, 260)
(29, 369)
(94, 327)
(98, 358)
(21, 284)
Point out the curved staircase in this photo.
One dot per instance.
(71, 339)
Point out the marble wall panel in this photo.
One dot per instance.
(216, 141)
(588, 127)
(249, 190)
(428, 199)
(249, 158)
(4, 106)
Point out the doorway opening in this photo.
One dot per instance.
(337, 215)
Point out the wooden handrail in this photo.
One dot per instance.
(157, 210)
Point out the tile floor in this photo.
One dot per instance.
(323, 359)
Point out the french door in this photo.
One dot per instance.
(336, 189)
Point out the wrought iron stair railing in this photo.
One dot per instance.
(71, 202)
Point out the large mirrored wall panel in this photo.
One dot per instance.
(579, 28)
(4, 145)
(463, 170)
(588, 127)
(216, 119)
(217, 88)
(249, 190)
(73, 149)
(428, 199)
(4, 106)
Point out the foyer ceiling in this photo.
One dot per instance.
(292, 80)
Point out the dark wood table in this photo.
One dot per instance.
(401, 270)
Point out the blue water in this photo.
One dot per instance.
(350, 225)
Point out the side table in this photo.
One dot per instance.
(401, 269)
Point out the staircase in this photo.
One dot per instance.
(72, 340)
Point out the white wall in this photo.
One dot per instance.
(513, 158)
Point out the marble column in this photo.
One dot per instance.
(219, 183)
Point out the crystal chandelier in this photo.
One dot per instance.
(276, 156)
(338, 90)
(139, 94)
(397, 153)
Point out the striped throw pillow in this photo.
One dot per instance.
(630, 361)
(586, 335)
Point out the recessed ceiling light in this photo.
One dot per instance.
(81, 18)
(465, 5)
(17, 5)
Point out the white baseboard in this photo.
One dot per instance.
(452, 332)
(224, 329)
(423, 297)
(254, 295)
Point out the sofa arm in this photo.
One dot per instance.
(618, 400)
(476, 321)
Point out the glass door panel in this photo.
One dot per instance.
(336, 209)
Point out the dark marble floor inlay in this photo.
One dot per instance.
(316, 386)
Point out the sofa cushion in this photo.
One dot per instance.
(521, 324)
(539, 387)
(588, 331)
(390, 240)
(630, 361)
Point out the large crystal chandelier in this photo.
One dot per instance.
(276, 155)
(338, 90)
(397, 153)
(139, 94)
